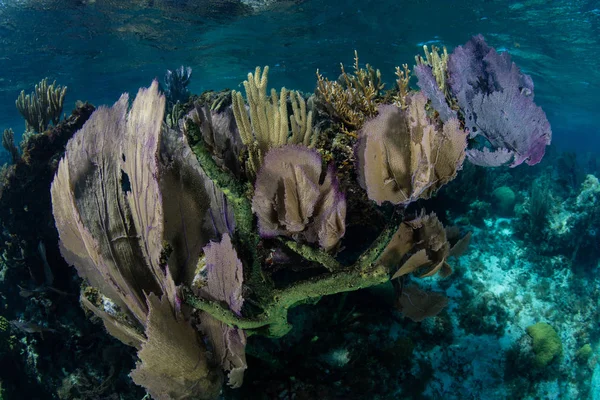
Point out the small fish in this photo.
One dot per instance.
(429, 42)
(30, 327)
(23, 292)
(47, 270)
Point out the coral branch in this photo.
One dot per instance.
(230, 187)
(235, 194)
(273, 320)
(313, 254)
(365, 272)
(8, 142)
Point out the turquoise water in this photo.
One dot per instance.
(100, 50)
(521, 318)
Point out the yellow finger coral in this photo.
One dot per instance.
(268, 124)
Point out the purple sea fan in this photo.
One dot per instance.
(509, 120)
(432, 91)
(290, 200)
(487, 158)
(496, 100)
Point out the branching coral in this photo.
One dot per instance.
(431, 73)
(176, 83)
(8, 142)
(438, 64)
(403, 82)
(42, 106)
(352, 98)
(176, 114)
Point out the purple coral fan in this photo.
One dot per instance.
(496, 100)
(432, 91)
(487, 158)
(290, 199)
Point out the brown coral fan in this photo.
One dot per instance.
(291, 198)
(173, 360)
(420, 243)
(405, 155)
(418, 304)
(108, 203)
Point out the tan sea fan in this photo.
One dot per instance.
(404, 155)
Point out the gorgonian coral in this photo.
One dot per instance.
(353, 97)
(42, 106)
(222, 281)
(115, 221)
(290, 199)
(269, 122)
(496, 100)
(422, 244)
(404, 155)
(430, 88)
(176, 83)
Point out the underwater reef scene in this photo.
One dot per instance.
(411, 231)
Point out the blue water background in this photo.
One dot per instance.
(101, 49)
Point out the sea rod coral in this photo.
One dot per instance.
(181, 251)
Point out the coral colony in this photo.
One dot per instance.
(179, 228)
